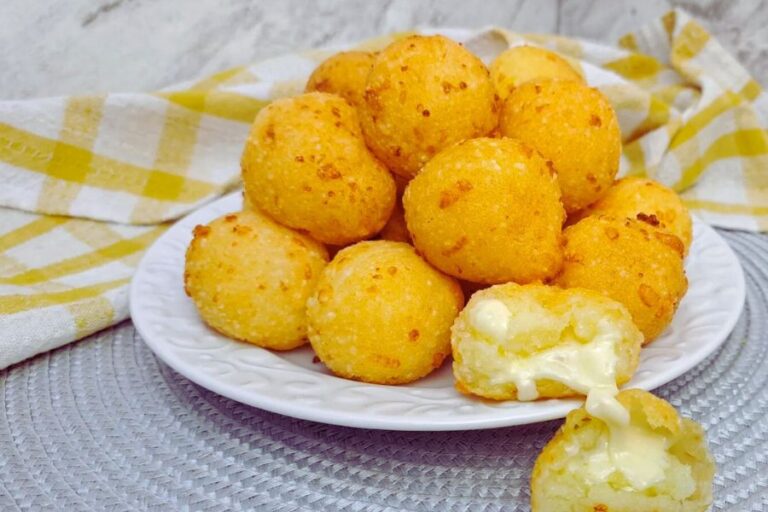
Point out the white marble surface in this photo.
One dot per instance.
(51, 47)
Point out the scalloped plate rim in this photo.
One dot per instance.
(494, 418)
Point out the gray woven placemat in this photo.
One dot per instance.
(103, 425)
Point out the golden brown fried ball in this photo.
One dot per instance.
(488, 211)
(537, 341)
(575, 471)
(250, 278)
(631, 262)
(423, 94)
(572, 125)
(344, 74)
(305, 164)
(381, 314)
(521, 64)
(648, 201)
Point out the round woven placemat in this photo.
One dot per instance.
(103, 425)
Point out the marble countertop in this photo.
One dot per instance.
(80, 46)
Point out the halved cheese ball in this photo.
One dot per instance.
(657, 462)
(648, 201)
(630, 262)
(343, 73)
(487, 211)
(521, 64)
(381, 314)
(572, 125)
(250, 278)
(537, 341)
(305, 164)
(423, 94)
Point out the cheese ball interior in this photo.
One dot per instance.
(487, 210)
(381, 314)
(305, 164)
(344, 74)
(536, 341)
(521, 64)
(630, 262)
(250, 278)
(572, 125)
(648, 201)
(658, 462)
(423, 94)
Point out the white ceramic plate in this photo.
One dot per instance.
(291, 384)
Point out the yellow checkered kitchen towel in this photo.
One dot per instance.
(87, 183)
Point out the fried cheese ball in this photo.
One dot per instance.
(381, 314)
(305, 165)
(658, 462)
(572, 125)
(423, 94)
(344, 74)
(632, 263)
(536, 341)
(521, 64)
(648, 201)
(488, 211)
(250, 278)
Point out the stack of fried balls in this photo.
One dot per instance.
(402, 182)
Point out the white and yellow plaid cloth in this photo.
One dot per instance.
(87, 183)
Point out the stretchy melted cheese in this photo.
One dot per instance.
(491, 318)
(638, 453)
(589, 368)
(533, 341)
(580, 366)
(656, 462)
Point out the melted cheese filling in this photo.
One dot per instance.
(589, 368)
(638, 453)
(582, 367)
(490, 317)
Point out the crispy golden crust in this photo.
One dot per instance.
(305, 164)
(648, 201)
(423, 94)
(521, 64)
(630, 262)
(381, 314)
(572, 125)
(543, 317)
(250, 278)
(488, 211)
(344, 74)
(687, 487)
